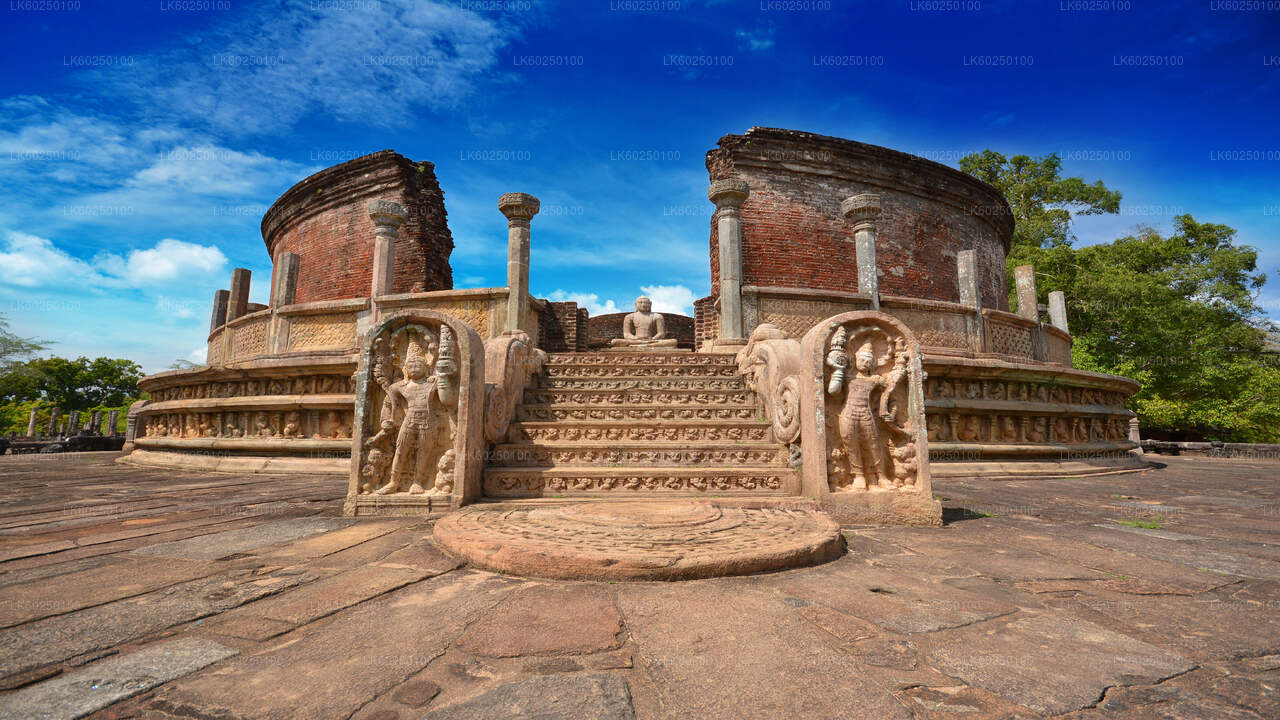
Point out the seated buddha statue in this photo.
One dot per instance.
(643, 328)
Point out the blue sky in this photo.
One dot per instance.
(141, 142)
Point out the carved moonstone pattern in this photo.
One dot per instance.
(639, 540)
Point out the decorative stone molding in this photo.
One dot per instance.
(418, 440)
(863, 437)
(509, 359)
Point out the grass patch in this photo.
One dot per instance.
(1152, 524)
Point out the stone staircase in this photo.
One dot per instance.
(629, 425)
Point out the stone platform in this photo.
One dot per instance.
(161, 594)
(640, 540)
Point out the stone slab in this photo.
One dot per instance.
(1052, 664)
(329, 543)
(779, 666)
(346, 660)
(77, 694)
(66, 593)
(599, 696)
(329, 595)
(231, 542)
(547, 620)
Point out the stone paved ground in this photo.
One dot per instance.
(153, 594)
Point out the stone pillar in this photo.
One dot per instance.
(286, 280)
(31, 424)
(728, 195)
(863, 211)
(1058, 310)
(113, 420)
(967, 279)
(1135, 436)
(238, 300)
(53, 421)
(95, 422)
(519, 208)
(219, 316)
(1024, 279)
(73, 422)
(387, 218)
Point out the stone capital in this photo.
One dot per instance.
(387, 214)
(861, 209)
(518, 206)
(729, 193)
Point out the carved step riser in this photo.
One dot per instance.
(637, 397)
(605, 372)
(543, 413)
(640, 359)
(640, 433)
(728, 459)
(500, 484)
(655, 384)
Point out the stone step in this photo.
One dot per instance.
(605, 398)
(615, 455)
(622, 483)
(636, 413)
(684, 431)
(642, 383)
(663, 359)
(615, 371)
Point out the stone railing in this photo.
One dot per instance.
(942, 328)
(333, 327)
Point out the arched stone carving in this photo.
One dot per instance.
(863, 433)
(417, 446)
(509, 360)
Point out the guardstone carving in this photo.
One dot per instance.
(419, 413)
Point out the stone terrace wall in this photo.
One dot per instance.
(325, 220)
(603, 328)
(794, 235)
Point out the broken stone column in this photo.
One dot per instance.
(286, 279)
(238, 300)
(728, 195)
(221, 298)
(519, 208)
(31, 424)
(73, 423)
(387, 218)
(1058, 310)
(113, 421)
(1024, 279)
(95, 422)
(967, 279)
(863, 211)
(53, 421)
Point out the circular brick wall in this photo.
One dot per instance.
(603, 328)
(794, 235)
(325, 220)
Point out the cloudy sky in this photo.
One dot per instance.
(141, 142)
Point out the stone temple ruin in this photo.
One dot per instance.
(857, 342)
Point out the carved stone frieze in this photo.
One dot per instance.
(524, 431)
(503, 484)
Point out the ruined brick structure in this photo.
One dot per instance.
(321, 217)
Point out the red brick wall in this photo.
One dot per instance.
(603, 328)
(560, 328)
(706, 320)
(325, 220)
(795, 236)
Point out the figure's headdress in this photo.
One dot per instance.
(866, 349)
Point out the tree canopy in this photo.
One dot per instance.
(79, 384)
(1176, 312)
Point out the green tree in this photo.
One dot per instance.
(1177, 313)
(14, 349)
(79, 384)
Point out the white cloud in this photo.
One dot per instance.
(367, 62)
(168, 261)
(31, 261)
(757, 40)
(199, 355)
(590, 301)
(670, 298)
